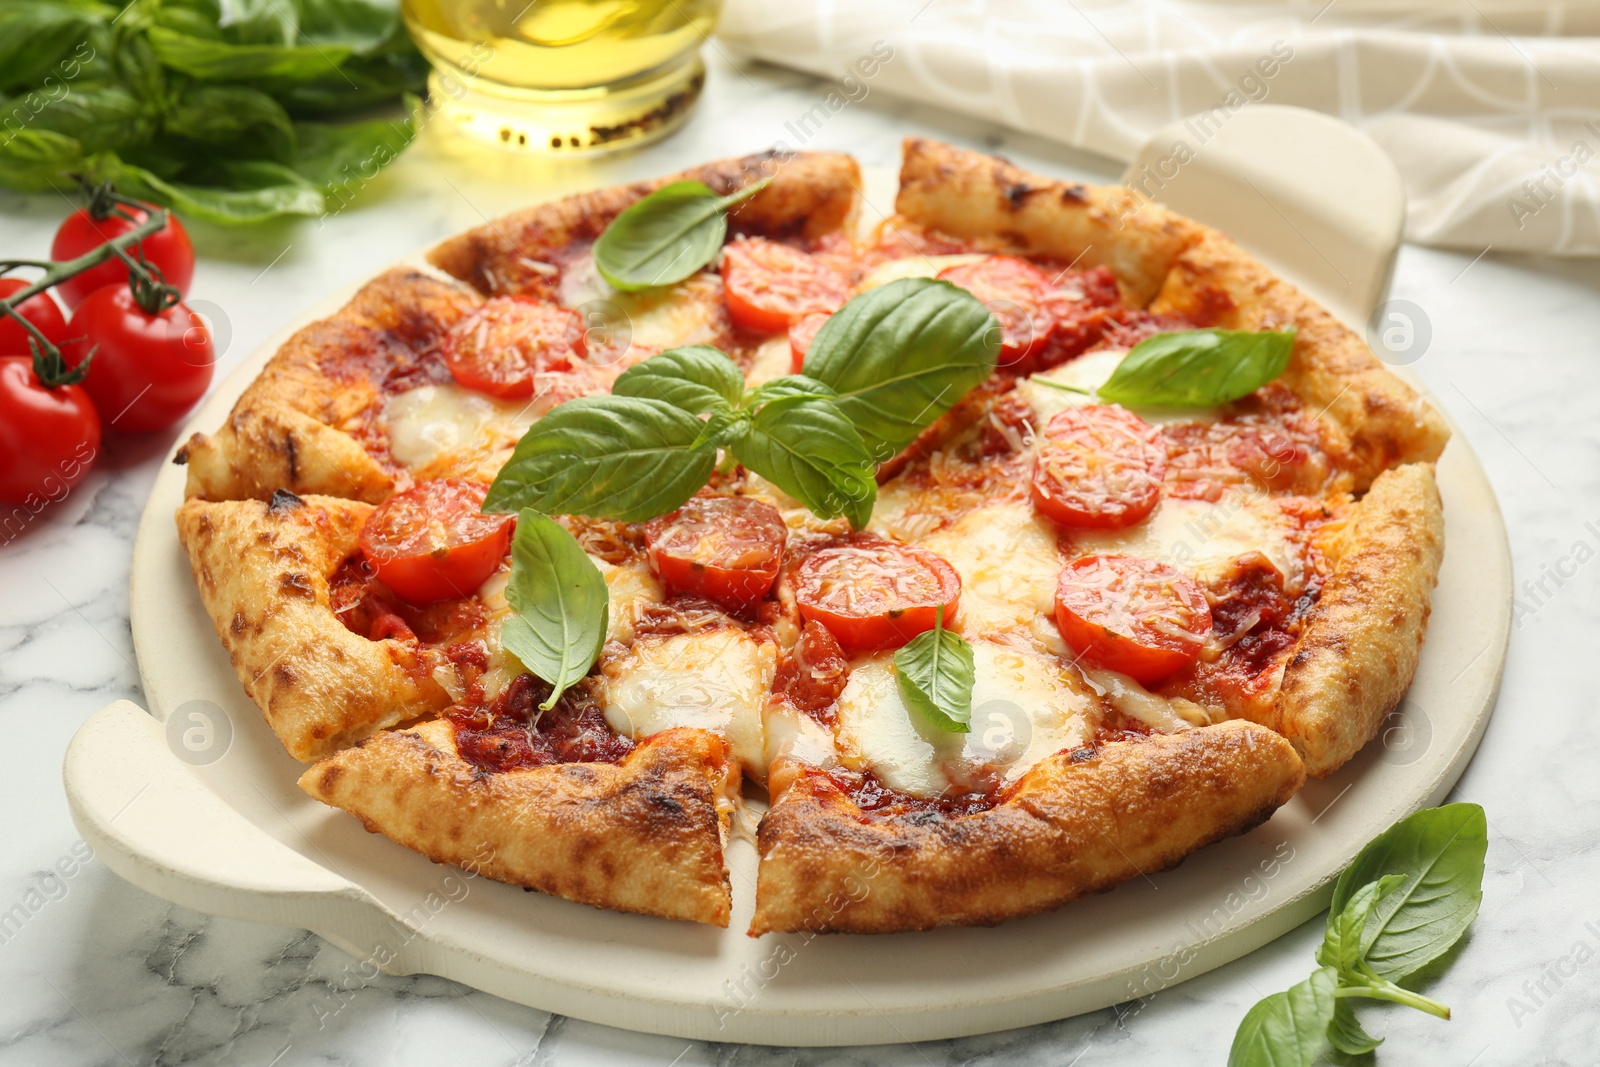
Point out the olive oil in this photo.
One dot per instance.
(564, 76)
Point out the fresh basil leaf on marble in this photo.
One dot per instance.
(1287, 1029)
(936, 672)
(803, 444)
(697, 378)
(612, 457)
(1440, 851)
(1346, 1032)
(560, 601)
(1198, 368)
(667, 235)
(902, 354)
(1341, 945)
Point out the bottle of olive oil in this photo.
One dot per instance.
(563, 76)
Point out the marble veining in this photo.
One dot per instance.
(98, 972)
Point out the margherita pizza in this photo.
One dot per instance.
(1009, 549)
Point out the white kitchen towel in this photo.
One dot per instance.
(1490, 108)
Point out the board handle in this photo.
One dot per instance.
(1312, 197)
(150, 819)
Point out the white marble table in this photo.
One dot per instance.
(96, 971)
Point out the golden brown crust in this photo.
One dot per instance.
(289, 429)
(971, 195)
(262, 572)
(812, 194)
(1372, 419)
(1071, 827)
(1359, 649)
(644, 835)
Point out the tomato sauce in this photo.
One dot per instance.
(879, 801)
(511, 733)
(367, 607)
(812, 675)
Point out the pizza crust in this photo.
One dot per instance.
(643, 836)
(1359, 649)
(262, 571)
(1371, 418)
(812, 194)
(287, 429)
(978, 197)
(1070, 827)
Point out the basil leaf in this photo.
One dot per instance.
(936, 674)
(666, 236)
(790, 385)
(211, 60)
(339, 156)
(248, 121)
(35, 35)
(612, 457)
(697, 378)
(804, 445)
(1341, 945)
(31, 160)
(1440, 852)
(104, 115)
(901, 355)
(561, 603)
(1198, 368)
(1346, 1032)
(273, 22)
(1287, 1029)
(360, 25)
(247, 191)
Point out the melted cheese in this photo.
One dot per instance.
(439, 426)
(688, 313)
(773, 359)
(1090, 371)
(1026, 706)
(1009, 564)
(912, 267)
(1203, 539)
(798, 735)
(1166, 714)
(716, 681)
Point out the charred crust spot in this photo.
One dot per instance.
(237, 626)
(180, 457)
(329, 778)
(296, 584)
(1017, 194)
(284, 675)
(1083, 755)
(283, 500)
(291, 455)
(205, 525)
(1074, 194)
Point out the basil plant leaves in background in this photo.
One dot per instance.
(233, 116)
(1403, 902)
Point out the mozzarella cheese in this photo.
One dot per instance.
(1203, 539)
(1008, 562)
(773, 359)
(912, 267)
(442, 425)
(1168, 715)
(716, 681)
(688, 313)
(1089, 372)
(1026, 706)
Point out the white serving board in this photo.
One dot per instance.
(213, 820)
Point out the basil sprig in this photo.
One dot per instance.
(652, 443)
(936, 673)
(1198, 368)
(666, 236)
(560, 601)
(1403, 902)
(902, 354)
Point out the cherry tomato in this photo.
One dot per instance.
(875, 594)
(40, 310)
(801, 334)
(168, 249)
(502, 347)
(148, 370)
(1098, 466)
(433, 542)
(769, 285)
(1018, 294)
(48, 437)
(1132, 615)
(724, 548)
